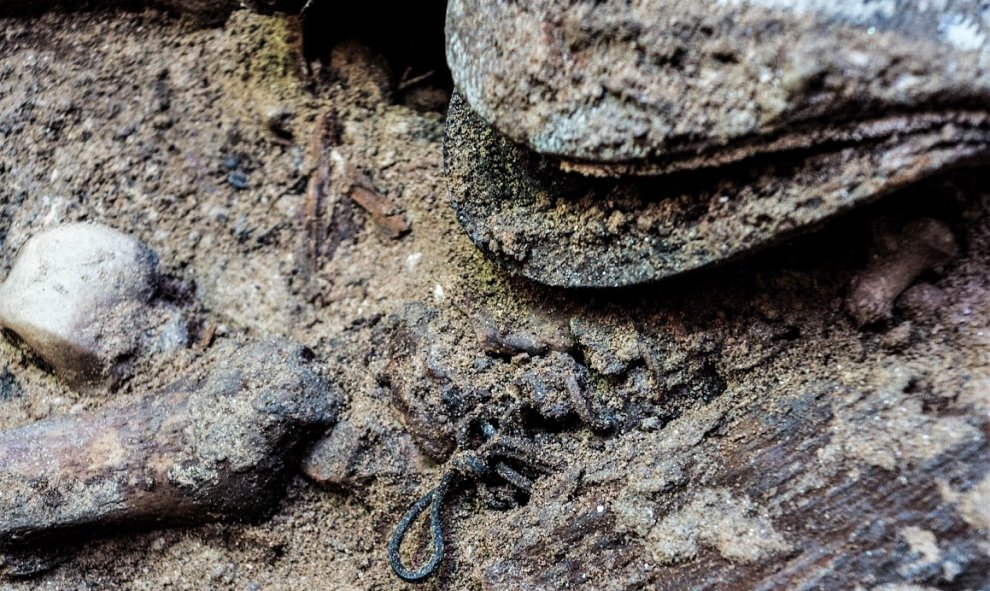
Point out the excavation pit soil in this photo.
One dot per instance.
(728, 429)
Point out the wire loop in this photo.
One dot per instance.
(433, 499)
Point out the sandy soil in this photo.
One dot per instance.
(721, 407)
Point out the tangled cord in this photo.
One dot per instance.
(465, 465)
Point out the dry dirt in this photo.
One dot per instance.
(738, 430)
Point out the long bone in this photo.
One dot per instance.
(215, 444)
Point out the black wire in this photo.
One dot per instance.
(435, 499)
(467, 467)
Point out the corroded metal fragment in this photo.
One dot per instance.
(566, 229)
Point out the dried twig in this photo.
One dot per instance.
(325, 135)
(382, 210)
(405, 83)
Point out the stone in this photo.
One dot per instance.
(360, 451)
(608, 144)
(78, 295)
(544, 384)
(679, 84)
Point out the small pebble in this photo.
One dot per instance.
(232, 162)
(9, 386)
(898, 338)
(238, 179)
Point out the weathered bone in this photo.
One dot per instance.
(216, 444)
(920, 247)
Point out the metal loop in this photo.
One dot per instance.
(434, 499)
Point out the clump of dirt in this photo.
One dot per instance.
(730, 415)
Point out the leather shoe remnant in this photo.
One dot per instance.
(614, 146)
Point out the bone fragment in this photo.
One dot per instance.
(217, 443)
(922, 246)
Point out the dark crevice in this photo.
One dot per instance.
(410, 36)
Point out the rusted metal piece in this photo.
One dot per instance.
(382, 210)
